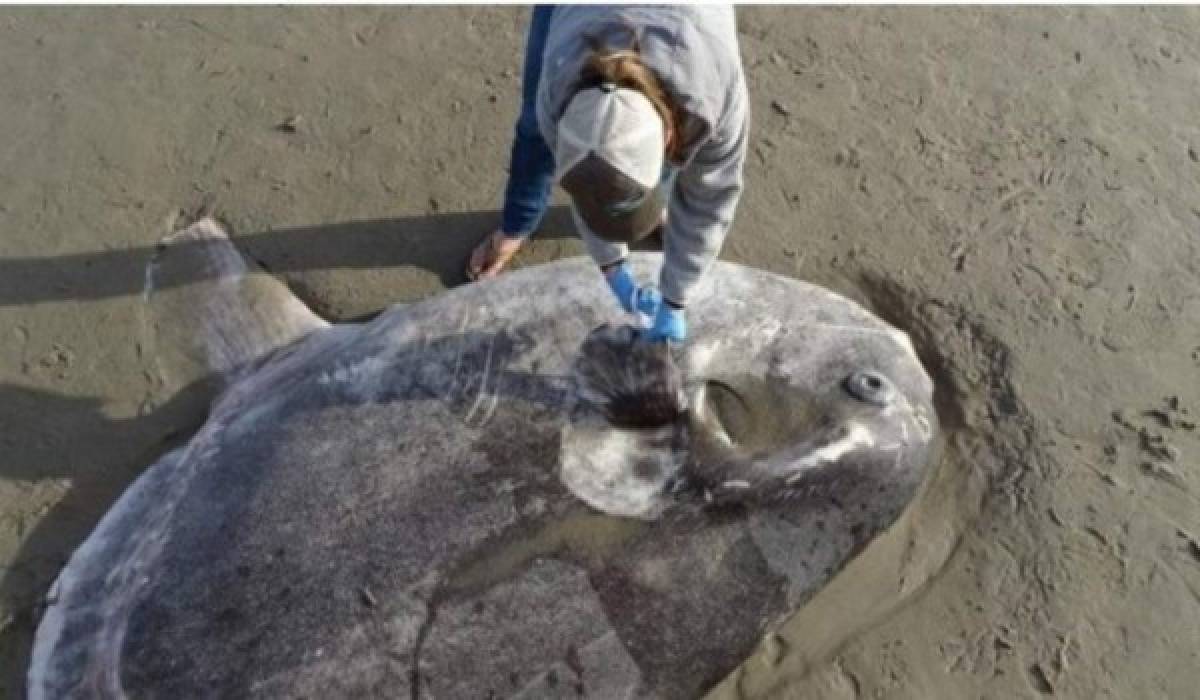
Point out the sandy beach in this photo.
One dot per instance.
(1017, 188)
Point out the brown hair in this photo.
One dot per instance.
(625, 68)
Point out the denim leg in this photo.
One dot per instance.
(531, 167)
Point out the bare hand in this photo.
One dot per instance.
(492, 255)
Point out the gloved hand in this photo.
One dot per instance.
(644, 301)
(669, 325)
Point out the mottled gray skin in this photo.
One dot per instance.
(379, 509)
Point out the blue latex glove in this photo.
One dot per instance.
(649, 301)
(669, 325)
(621, 281)
(643, 301)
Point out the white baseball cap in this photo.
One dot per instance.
(609, 158)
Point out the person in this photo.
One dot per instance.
(641, 115)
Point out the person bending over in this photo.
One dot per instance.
(641, 115)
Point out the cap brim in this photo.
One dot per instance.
(612, 205)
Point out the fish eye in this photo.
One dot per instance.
(870, 387)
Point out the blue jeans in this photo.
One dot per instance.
(531, 167)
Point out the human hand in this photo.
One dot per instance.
(669, 325)
(624, 287)
(492, 255)
(642, 301)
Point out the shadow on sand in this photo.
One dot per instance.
(439, 243)
(51, 436)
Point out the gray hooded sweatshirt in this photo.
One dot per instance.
(693, 50)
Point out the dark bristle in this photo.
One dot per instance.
(636, 384)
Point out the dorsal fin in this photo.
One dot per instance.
(209, 312)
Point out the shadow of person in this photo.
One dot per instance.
(48, 438)
(438, 243)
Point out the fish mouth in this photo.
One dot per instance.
(753, 439)
(642, 436)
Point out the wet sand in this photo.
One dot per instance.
(1017, 188)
